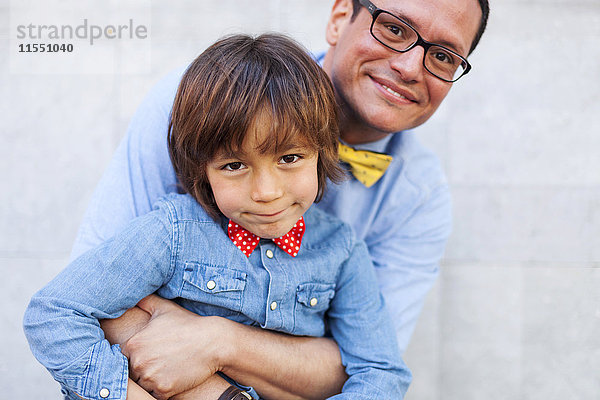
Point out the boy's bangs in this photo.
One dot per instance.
(283, 133)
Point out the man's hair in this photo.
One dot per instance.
(485, 12)
(230, 85)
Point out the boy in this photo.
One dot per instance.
(253, 139)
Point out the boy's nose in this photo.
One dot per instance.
(266, 186)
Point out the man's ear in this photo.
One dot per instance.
(341, 13)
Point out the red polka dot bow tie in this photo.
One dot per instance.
(247, 241)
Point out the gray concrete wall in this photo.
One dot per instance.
(516, 311)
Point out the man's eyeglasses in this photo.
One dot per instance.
(398, 35)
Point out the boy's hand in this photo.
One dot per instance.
(176, 350)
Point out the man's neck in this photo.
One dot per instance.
(357, 133)
(359, 137)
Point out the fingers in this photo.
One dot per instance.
(130, 348)
(155, 305)
(158, 391)
(123, 328)
(149, 379)
(151, 303)
(134, 375)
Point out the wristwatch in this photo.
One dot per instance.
(234, 393)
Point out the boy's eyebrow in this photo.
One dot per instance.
(289, 146)
(228, 153)
(225, 154)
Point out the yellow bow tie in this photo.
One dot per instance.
(366, 166)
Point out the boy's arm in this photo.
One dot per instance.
(278, 366)
(361, 325)
(61, 321)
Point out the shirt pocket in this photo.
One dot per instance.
(312, 301)
(218, 290)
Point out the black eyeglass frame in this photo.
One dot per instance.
(375, 12)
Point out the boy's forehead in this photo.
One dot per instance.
(264, 142)
(267, 132)
(273, 141)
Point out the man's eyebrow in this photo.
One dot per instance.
(411, 22)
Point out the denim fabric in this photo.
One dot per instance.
(405, 218)
(182, 254)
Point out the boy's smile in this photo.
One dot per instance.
(264, 192)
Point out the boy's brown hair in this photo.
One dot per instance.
(226, 88)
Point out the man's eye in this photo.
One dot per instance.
(234, 166)
(443, 57)
(395, 29)
(289, 158)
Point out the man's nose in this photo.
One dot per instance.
(409, 64)
(266, 186)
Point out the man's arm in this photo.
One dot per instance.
(168, 361)
(406, 258)
(280, 366)
(120, 330)
(135, 392)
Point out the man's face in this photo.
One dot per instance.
(382, 91)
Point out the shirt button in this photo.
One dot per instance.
(273, 306)
(104, 393)
(269, 254)
(211, 285)
(313, 301)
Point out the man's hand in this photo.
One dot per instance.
(166, 356)
(120, 330)
(210, 389)
(172, 350)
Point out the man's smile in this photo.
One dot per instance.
(393, 91)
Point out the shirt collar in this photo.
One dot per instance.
(247, 241)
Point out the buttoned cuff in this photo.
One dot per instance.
(99, 374)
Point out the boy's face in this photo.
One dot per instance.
(264, 193)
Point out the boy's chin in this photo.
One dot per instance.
(273, 234)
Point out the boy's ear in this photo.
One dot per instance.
(339, 18)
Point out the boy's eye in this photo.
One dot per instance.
(289, 158)
(234, 166)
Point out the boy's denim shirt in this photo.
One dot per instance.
(179, 252)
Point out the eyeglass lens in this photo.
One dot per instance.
(399, 36)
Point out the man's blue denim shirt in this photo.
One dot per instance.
(179, 252)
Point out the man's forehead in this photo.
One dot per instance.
(452, 23)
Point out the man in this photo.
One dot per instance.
(391, 63)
